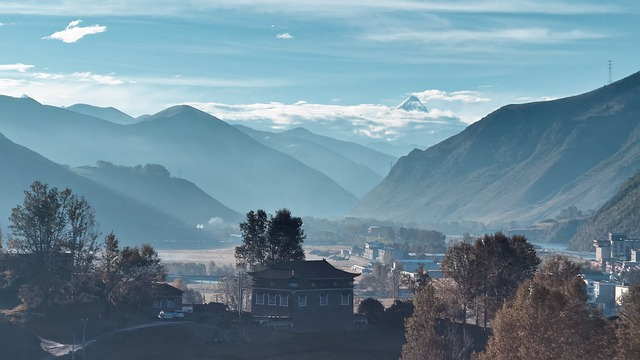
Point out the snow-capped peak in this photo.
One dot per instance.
(413, 104)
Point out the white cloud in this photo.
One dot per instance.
(73, 32)
(19, 67)
(361, 123)
(99, 79)
(284, 36)
(6, 84)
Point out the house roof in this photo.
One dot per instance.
(312, 269)
(164, 289)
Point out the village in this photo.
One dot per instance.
(375, 271)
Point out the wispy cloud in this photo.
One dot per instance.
(284, 36)
(19, 67)
(532, 35)
(74, 32)
(99, 79)
(462, 96)
(362, 123)
(339, 8)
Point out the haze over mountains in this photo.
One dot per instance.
(520, 163)
(133, 221)
(230, 169)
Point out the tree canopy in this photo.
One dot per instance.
(268, 239)
(56, 228)
(488, 272)
(422, 341)
(551, 319)
(54, 233)
(629, 325)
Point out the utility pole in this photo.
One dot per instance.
(240, 296)
(84, 332)
(610, 66)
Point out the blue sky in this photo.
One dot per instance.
(277, 64)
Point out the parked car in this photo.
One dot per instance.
(168, 315)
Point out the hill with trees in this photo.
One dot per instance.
(135, 221)
(620, 214)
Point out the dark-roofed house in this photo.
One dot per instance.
(166, 297)
(305, 295)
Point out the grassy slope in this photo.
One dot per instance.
(208, 341)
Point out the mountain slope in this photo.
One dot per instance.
(130, 220)
(224, 162)
(234, 168)
(522, 162)
(620, 214)
(110, 114)
(154, 186)
(373, 159)
(354, 177)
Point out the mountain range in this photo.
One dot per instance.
(220, 159)
(132, 221)
(230, 170)
(521, 163)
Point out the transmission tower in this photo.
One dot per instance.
(610, 65)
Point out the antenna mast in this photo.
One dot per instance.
(610, 65)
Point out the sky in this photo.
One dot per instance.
(336, 66)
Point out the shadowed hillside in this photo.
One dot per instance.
(520, 163)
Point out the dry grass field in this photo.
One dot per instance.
(225, 256)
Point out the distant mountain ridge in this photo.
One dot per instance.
(520, 163)
(223, 161)
(350, 174)
(132, 221)
(110, 114)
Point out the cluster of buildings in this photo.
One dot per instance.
(614, 256)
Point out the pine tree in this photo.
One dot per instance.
(268, 239)
(422, 341)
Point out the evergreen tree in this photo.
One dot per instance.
(127, 274)
(268, 239)
(422, 341)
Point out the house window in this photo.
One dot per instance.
(259, 299)
(344, 299)
(284, 300)
(171, 303)
(302, 300)
(272, 300)
(324, 299)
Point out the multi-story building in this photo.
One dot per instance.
(304, 295)
(616, 247)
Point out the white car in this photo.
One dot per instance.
(170, 315)
(165, 315)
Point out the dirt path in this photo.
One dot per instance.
(56, 349)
